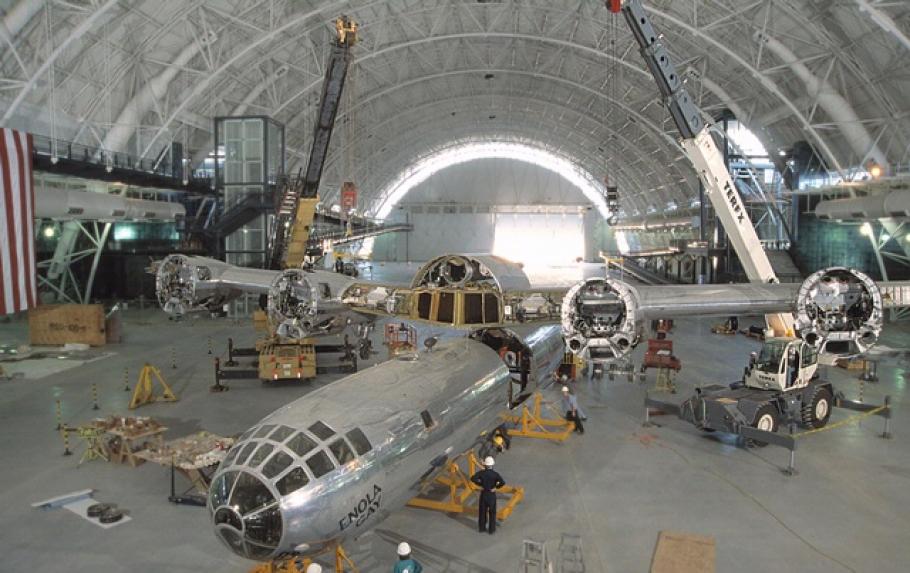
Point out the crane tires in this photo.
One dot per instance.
(767, 419)
(817, 411)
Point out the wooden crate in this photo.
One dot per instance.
(58, 324)
(679, 552)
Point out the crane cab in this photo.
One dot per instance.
(783, 364)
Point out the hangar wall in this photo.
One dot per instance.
(455, 209)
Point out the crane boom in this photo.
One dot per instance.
(706, 158)
(297, 199)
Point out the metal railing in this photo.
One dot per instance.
(161, 166)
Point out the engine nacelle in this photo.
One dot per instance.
(292, 304)
(183, 285)
(599, 320)
(302, 304)
(839, 311)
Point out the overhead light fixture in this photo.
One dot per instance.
(49, 231)
(865, 229)
(875, 171)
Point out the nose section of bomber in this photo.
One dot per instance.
(246, 514)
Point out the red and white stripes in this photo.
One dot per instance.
(18, 280)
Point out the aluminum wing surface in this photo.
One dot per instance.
(300, 302)
(837, 310)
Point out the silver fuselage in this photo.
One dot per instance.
(415, 414)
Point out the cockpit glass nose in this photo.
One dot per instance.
(246, 514)
(250, 494)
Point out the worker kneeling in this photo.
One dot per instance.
(489, 481)
(405, 563)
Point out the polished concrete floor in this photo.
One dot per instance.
(617, 486)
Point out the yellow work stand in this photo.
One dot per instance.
(461, 490)
(532, 423)
(94, 444)
(299, 565)
(664, 382)
(145, 392)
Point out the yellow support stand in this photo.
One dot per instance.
(299, 564)
(461, 490)
(145, 393)
(664, 382)
(94, 444)
(532, 423)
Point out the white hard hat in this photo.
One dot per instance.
(565, 388)
(564, 377)
(314, 568)
(489, 461)
(404, 549)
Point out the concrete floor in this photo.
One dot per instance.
(617, 486)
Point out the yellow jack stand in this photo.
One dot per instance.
(94, 444)
(534, 425)
(299, 564)
(145, 393)
(664, 382)
(461, 490)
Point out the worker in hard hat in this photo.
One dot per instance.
(570, 407)
(314, 568)
(572, 386)
(406, 563)
(489, 481)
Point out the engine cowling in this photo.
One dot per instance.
(183, 284)
(599, 320)
(839, 311)
(292, 304)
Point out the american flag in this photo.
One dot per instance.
(17, 223)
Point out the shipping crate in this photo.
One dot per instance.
(59, 324)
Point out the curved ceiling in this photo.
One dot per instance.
(133, 75)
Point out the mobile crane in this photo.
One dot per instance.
(281, 356)
(781, 384)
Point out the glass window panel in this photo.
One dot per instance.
(342, 451)
(252, 149)
(232, 539)
(250, 494)
(233, 172)
(229, 458)
(281, 433)
(264, 527)
(301, 444)
(321, 431)
(260, 455)
(221, 488)
(233, 129)
(247, 450)
(264, 431)
(252, 129)
(258, 552)
(253, 171)
(359, 440)
(294, 480)
(279, 462)
(228, 516)
(320, 464)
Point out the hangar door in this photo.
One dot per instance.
(539, 239)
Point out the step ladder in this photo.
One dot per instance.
(534, 557)
(571, 556)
